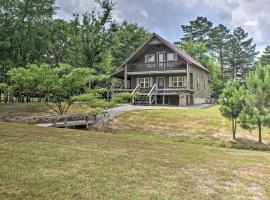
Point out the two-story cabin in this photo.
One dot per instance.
(161, 73)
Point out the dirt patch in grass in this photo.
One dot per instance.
(34, 112)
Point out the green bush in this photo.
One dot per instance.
(124, 97)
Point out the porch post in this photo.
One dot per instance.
(163, 100)
(125, 78)
(188, 76)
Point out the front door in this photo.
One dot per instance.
(161, 84)
(161, 59)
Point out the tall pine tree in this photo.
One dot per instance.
(265, 58)
(218, 38)
(197, 30)
(240, 54)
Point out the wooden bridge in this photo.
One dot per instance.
(69, 121)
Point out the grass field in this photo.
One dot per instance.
(49, 163)
(197, 124)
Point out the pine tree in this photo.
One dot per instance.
(198, 29)
(231, 103)
(218, 38)
(256, 113)
(265, 58)
(240, 54)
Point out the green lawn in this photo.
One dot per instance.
(48, 163)
(197, 124)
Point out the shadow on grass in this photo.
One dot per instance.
(244, 143)
(239, 143)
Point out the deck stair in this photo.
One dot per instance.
(141, 99)
(145, 98)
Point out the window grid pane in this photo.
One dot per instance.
(179, 81)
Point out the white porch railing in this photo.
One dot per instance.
(150, 94)
(134, 91)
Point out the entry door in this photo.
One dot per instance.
(161, 84)
(161, 59)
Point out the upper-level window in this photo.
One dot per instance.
(144, 82)
(171, 57)
(179, 81)
(149, 58)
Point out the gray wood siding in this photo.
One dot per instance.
(166, 76)
(199, 78)
(154, 50)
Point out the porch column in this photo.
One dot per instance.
(125, 78)
(188, 76)
(163, 100)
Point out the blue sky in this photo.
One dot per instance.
(166, 16)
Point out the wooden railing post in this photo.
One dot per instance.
(86, 119)
(65, 122)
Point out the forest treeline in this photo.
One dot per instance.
(31, 35)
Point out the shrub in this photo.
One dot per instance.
(124, 97)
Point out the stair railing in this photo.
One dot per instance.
(150, 94)
(109, 93)
(136, 88)
(134, 91)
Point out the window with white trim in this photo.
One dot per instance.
(171, 57)
(144, 82)
(149, 58)
(179, 81)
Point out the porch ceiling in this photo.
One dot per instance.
(119, 74)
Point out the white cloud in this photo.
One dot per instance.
(166, 16)
(144, 13)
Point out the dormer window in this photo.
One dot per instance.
(150, 58)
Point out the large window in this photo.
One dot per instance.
(179, 81)
(150, 58)
(144, 82)
(171, 57)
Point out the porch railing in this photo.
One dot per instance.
(172, 65)
(172, 90)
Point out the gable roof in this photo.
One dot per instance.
(177, 50)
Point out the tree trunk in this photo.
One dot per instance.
(221, 65)
(5, 97)
(234, 128)
(260, 133)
